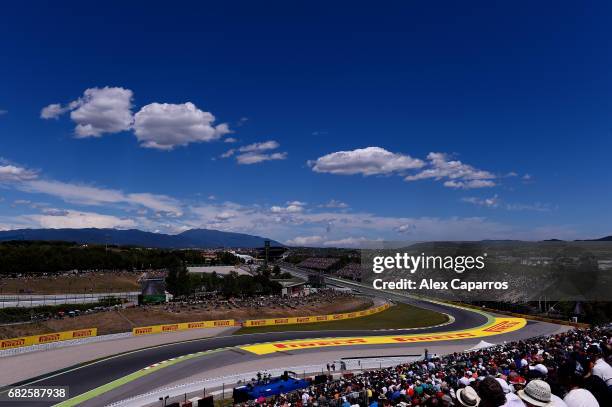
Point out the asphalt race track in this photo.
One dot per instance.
(92, 375)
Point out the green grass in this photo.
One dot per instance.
(396, 317)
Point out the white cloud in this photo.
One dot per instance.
(496, 202)
(492, 202)
(91, 195)
(259, 147)
(228, 153)
(53, 111)
(256, 153)
(348, 242)
(255, 158)
(292, 207)
(98, 111)
(537, 207)
(3, 112)
(365, 161)
(13, 173)
(405, 228)
(77, 219)
(306, 241)
(455, 173)
(332, 203)
(230, 140)
(103, 110)
(164, 125)
(470, 184)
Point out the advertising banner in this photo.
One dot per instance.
(316, 318)
(181, 326)
(47, 338)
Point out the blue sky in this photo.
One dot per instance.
(312, 123)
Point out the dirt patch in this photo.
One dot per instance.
(70, 284)
(124, 320)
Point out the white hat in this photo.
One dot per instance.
(537, 392)
(468, 397)
(539, 368)
(504, 385)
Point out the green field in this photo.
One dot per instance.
(396, 317)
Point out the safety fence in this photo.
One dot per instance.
(315, 318)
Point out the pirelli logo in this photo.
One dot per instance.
(49, 338)
(316, 344)
(281, 321)
(425, 338)
(12, 343)
(194, 325)
(499, 326)
(82, 333)
(168, 328)
(223, 323)
(143, 331)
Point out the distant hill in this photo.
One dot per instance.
(603, 239)
(193, 238)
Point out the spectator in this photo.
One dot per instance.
(491, 393)
(577, 395)
(601, 368)
(468, 397)
(536, 394)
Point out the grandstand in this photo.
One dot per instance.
(319, 263)
(569, 369)
(351, 271)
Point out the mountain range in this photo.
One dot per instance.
(192, 238)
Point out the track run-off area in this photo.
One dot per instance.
(123, 376)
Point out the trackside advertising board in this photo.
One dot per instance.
(315, 318)
(47, 338)
(499, 326)
(182, 326)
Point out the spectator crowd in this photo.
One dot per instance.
(212, 301)
(570, 369)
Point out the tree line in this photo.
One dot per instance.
(35, 257)
(180, 283)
